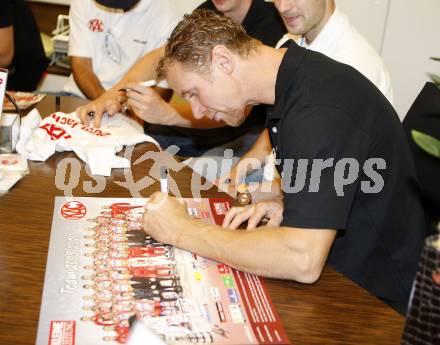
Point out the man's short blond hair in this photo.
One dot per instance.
(192, 40)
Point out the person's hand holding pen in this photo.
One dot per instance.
(111, 102)
(148, 105)
(165, 218)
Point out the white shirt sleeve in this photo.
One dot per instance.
(80, 40)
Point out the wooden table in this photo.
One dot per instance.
(332, 311)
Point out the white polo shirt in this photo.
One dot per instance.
(342, 42)
(115, 40)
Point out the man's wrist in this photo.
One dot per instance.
(178, 232)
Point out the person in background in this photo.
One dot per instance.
(318, 25)
(175, 124)
(359, 211)
(108, 36)
(21, 49)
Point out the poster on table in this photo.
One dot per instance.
(103, 271)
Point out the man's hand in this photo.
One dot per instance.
(110, 103)
(163, 218)
(272, 210)
(148, 105)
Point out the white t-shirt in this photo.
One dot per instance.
(41, 138)
(115, 40)
(342, 42)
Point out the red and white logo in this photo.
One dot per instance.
(62, 333)
(96, 25)
(221, 208)
(73, 210)
(222, 268)
(9, 161)
(55, 132)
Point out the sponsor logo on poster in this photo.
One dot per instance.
(237, 316)
(62, 333)
(221, 312)
(215, 293)
(228, 281)
(221, 208)
(222, 269)
(73, 210)
(205, 215)
(198, 276)
(192, 212)
(233, 296)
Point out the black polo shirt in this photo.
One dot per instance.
(325, 110)
(29, 60)
(262, 22)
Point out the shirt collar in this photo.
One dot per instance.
(286, 75)
(328, 33)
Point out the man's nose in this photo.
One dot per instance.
(198, 109)
(283, 5)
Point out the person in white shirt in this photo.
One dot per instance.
(320, 26)
(337, 39)
(107, 37)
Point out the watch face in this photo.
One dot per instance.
(244, 198)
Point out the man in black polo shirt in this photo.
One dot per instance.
(171, 126)
(348, 175)
(262, 21)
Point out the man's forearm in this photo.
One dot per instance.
(85, 77)
(89, 85)
(266, 251)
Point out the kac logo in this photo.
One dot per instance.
(73, 210)
(96, 25)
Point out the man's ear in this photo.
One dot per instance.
(223, 58)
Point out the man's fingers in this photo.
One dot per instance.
(236, 216)
(156, 198)
(233, 211)
(257, 216)
(276, 219)
(86, 112)
(242, 217)
(98, 118)
(82, 114)
(135, 104)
